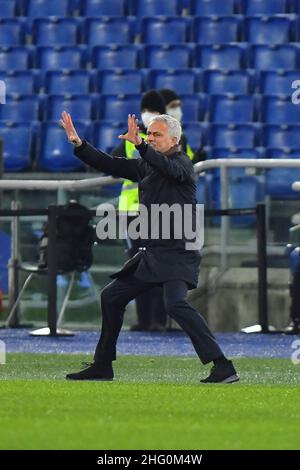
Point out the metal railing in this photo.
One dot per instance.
(222, 163)
(53, 211)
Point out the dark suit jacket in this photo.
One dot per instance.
(162, 179)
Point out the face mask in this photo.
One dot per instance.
(146, 117)
(176, 113)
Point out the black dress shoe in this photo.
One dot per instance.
(292, 329)
(222, 374)
(96, 371)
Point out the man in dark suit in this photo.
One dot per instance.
(165, 176)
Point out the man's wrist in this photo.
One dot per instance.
(77, 142)
(140, 141)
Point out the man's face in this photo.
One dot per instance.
(159, 138)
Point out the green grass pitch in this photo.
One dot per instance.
(154, 403)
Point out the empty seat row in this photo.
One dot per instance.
(247, 108)
(87, 107)
(151, 30)
(127, 81)
(36, 8)
(228, 56)
(227, 108)
(45, 144)
(251, 135)
(53, 153)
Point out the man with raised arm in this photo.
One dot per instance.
(165, 177)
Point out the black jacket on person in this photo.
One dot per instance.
(162, 179)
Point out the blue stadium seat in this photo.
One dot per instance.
(265, 57)
(81, 107)
(107, 30)
(117, 108)
(183, 81)
(68, 81)
(167, 56)
(296, 36)
(194, 133)
(161, 29)
(8, 8)
(55, 31)
(5, 255)
(116, 56)
(60, 57)
(15, 58)
(269, 29)
(11, 32)
(277, 82)
(55, 152)
(219, 57)
(279, 110)
(119, 81)
(105, 134)
(193, 107)
(201, 191)
(228, 81)
(235, 152)
(94, 8)
(279, 182)
(244, 192)
(281, 136)
(282, 153)
(234, 135)
(295, 6)
(20, 108)
(264, 7)
(216, 29)
(17, 142)
(22, 82)
(232, 108)
(212, 7)
(40, 8)
(155, 7)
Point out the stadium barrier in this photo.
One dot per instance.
(53, 212)
(223, 164)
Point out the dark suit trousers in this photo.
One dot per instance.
(116, 295)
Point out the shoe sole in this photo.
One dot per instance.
(93, 380)
(231, 379)
(228, 380)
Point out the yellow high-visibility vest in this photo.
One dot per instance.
(129, 197)
(189, 152)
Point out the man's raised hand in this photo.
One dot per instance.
(67, 124)
(132, 134)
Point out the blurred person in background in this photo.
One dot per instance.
(174, 108)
